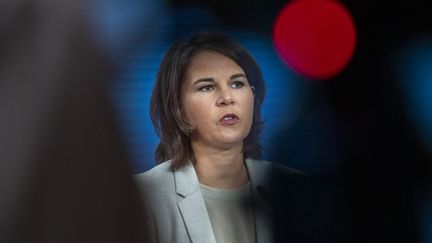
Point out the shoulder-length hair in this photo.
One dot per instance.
(166, 108)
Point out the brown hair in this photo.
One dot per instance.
(165, 107)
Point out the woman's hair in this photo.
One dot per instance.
(166, 108)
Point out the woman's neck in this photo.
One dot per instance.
(220, 168)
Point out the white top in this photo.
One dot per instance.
(231, 213)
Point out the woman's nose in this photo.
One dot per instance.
(225, 98)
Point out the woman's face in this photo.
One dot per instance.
(217, 100)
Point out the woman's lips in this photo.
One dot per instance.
(229, 119)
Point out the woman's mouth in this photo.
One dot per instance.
(229, 119)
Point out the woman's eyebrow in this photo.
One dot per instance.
(237, 75)
(204, 80)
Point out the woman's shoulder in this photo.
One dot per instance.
(264, 165)
(161, 174)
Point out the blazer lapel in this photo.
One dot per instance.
(258, 176)
(192, 206)
(263, 219)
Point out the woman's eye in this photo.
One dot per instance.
(206, 88)
(237, 84)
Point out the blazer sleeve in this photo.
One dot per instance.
(149, 225)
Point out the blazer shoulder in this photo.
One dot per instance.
(159, 170)
(152, 179)
(264, 165)
(282, 169)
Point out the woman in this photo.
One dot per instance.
(206, 110)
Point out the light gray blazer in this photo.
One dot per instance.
(177, 210)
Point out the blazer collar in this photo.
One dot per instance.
(259, 175)
(186, 180)
(192, 206)
(194, 212)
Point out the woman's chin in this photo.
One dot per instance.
(231, 140)
(221, 140)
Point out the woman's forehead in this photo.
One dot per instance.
(212, 63)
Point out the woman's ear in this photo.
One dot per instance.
(253, 90)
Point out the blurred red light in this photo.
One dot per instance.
(316, 38)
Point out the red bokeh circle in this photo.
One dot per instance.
(316, 38)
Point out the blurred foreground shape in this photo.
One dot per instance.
(64, 175)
